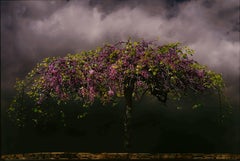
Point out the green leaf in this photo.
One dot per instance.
(179, 108)
(82, 115)
(35, 110)
(35, 121)
(196, 106)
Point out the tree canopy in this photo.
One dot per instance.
(124, 69)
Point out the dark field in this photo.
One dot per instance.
(155, 129)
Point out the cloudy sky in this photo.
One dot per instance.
(32, 30)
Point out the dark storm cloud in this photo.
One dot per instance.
(32, 30)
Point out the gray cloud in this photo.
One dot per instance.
(32, 30)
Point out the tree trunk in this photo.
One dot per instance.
(128, 91)
(127, 123)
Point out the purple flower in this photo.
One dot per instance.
(110, 92)
(91, 94)
(91, 72)
(200, 73)
(57, 89)
(144, 74)
(112, 73)
(139, 83)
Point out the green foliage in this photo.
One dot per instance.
(165, 71)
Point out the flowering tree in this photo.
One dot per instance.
(126, 70)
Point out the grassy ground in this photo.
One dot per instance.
(119, 156)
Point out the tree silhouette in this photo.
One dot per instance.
(126, 70)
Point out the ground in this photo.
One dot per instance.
(119, 156)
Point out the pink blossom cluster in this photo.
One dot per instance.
(103, 73)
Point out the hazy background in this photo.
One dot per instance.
(32, 30)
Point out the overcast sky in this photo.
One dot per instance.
(32, 30)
